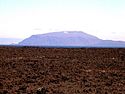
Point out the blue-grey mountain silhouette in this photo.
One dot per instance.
(69, 39)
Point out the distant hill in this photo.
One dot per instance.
(8, 41)
(69, 39)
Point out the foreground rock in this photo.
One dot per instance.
(26, 70)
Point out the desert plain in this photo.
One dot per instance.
(25, 70)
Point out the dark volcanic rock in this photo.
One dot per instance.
(35, 70)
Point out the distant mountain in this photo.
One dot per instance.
(69, 39)
(110, 43)
(8, 41)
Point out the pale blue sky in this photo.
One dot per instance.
(102, 18)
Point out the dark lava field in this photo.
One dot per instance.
(33, 70)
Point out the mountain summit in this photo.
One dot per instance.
(70, 39)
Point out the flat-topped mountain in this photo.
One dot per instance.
(69, 39)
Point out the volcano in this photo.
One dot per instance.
(69, 39)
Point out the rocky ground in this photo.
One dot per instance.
(32, 70)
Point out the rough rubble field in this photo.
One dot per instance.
(32, 70)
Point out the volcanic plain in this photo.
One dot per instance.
(27, 70)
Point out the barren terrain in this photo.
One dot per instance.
(25, 70)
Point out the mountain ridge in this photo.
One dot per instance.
(69, 38)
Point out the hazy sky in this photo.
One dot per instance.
(102, 18)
